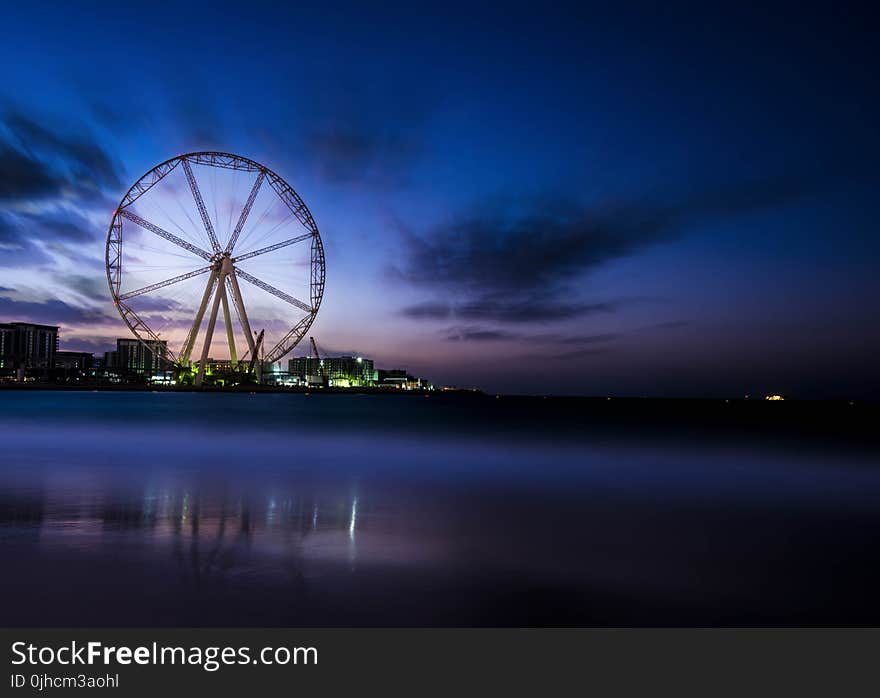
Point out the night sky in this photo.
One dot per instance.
(643, 200)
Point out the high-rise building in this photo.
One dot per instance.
(134, 356)
(27, 345)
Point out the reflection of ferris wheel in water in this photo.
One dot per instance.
(229, 219)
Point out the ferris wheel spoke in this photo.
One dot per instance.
(171, 237)
(163, 284)
(254, 231)
(271, 289)
(276, 246)
(203, 212)
(245, 212)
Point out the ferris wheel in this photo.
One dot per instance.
(208, 232)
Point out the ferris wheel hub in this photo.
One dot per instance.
(222, 291)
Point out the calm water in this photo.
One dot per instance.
(236, 509)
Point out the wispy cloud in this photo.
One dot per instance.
(53, 312)
(350, 138)
(496, 308)
(39, 161)
(478, 334)
(521, 268)
(54, 181)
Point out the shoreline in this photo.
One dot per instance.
(248, 389)
(457, 392)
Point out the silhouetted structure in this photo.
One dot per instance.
(25, 345)
(399, 378)
(134, 357)
(82, 361)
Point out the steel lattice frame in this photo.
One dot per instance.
(222, 261)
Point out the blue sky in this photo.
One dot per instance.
(638, 200)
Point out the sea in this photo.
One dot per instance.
(345, 510)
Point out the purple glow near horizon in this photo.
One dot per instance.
(514, 203)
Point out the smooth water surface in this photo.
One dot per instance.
(138, 508)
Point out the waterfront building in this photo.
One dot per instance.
(25, 345)
(399, 378)
(133, 356)
(82, 361)
(306, 370)
(340, 371)
(220, 371)
(219, 365)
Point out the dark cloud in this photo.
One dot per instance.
(27, 237)
(428, 311)
(520, 268)
(530, 310)
(93, 286)
(8, 231)
(24, 177)
(354, 150)
(37, 162)
(511, 310)
(483, 334)
(477, 334)
(22, 256)
(96, 345)
(52, 312)
(18, 250)
(586, 345)
(350, 137)
(82, 160)
(65, 172)
(60, 225)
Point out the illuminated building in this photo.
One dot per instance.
(306, 370)
(132, 356)
(25, 345)
(219, 365)
(340, 372)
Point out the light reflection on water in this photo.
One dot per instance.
(136, 509)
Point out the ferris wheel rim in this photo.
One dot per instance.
(226, 160)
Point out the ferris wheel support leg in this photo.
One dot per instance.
(209, 330)
(230, 336)
(193, 333)
(245, 325)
